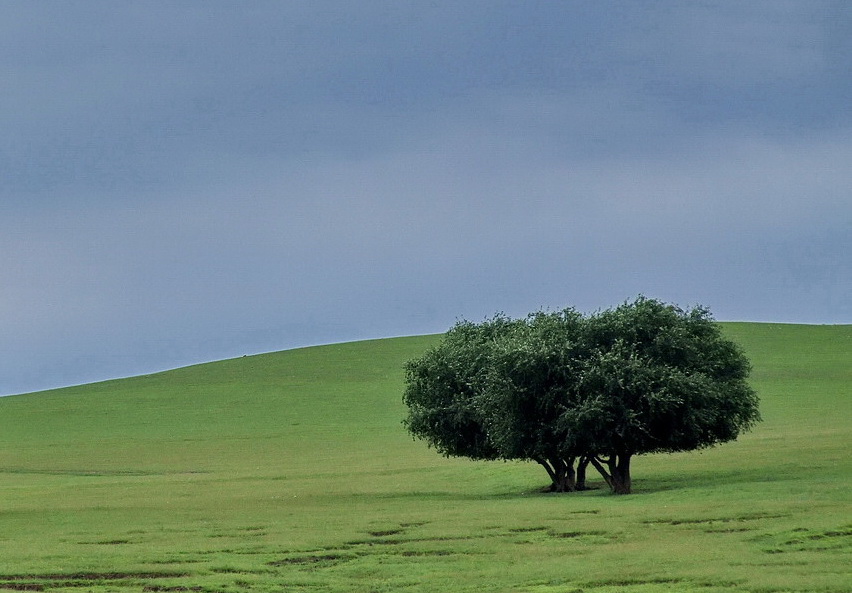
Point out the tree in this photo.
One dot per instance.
(562, 388)
(658, 379)
(462, 406)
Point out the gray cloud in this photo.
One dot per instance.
(187, 182)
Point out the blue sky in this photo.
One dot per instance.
(190, 181)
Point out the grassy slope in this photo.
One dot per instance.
(291, 471)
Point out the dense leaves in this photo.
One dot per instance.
(443, 387)
(562, 389)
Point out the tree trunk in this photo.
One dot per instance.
(596, 463)
(550, 472)
(570, 484)
(618, 477)
(620, 471)
(563, 478)
(581, 472)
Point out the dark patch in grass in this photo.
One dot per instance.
(782, 562)
(633, 582)
(378, 542)
(845, 532)
(413, 540)
(417, 553)
(175, 561)
(413, 524)
(385, 532)
(328, 549)
(740, 518)
(321, 559)
(820, 548)
(771, 590)
(527, 529)
(230, 570)
(573, 534)
(92, 576)
(247, 551)
(729, 530)
(832, 539)
(113, 542)
(175, 588)
(239, 533)
(25, 582)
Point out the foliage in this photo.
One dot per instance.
(442, 387)
(559, 388)
(530, 388)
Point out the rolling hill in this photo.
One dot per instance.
(291, 471)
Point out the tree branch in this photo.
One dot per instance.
(597, 464)
(546, 465)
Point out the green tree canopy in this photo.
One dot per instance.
(529, 387)
(443, 386)
(562, 389)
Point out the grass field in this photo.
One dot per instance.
(291, 472)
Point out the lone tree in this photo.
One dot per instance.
(567, 390)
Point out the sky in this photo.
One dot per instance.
(182, 182)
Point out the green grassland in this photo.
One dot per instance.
(292, 472)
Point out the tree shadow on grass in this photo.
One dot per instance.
(718, 479)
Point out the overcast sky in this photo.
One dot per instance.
(189, 181)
